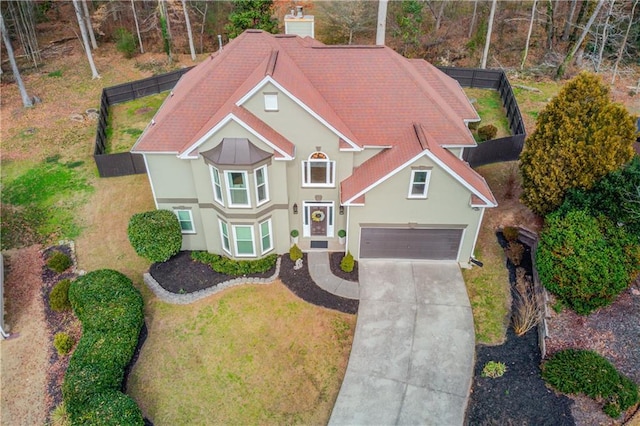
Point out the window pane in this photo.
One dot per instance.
(236, 180)
(318, 172)
(225, 236)
(183, 215)
(260, 176)
(239, 196)
(245, 247)
(417, 189)
(243, 233)
(262, 193)
(419, 177)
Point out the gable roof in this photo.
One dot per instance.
(368, 96)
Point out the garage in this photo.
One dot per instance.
(410, 243)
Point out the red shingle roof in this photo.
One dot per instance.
(369, 96)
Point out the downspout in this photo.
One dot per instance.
(346, 239)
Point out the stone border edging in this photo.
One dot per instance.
(185, 299)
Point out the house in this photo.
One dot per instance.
(278, 133)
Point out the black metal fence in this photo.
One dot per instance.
(493, 151)
(126, 163)
(496, 150)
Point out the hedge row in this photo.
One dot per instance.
(236, 268)
(111, 312)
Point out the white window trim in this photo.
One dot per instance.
(227, 174)
(253, 240)
(426, 184)
(222, 224)
(306, 172)
(270, 229)
(266, 185)
(270, 101)
(193, 225)
(215, 172)
(306, 216)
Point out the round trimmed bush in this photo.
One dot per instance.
(155, 235)
(63, 343)
(487, 132)
(295, 253)
(59, 296)
(58, 261)
(586, 262)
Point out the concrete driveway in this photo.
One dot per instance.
(413, 352)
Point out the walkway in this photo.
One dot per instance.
(320, 272)
(412, 357)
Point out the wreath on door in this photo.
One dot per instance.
(317, 216)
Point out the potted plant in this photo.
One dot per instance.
(341, 236)
(294, 236)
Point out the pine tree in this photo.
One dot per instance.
(255, 14)
(581, 135)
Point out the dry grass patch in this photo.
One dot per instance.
(488, 287)
(251, 355)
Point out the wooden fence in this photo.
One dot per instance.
(496, 150)
(126, 163)
(493, 151)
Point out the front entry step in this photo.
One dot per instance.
(319, 244)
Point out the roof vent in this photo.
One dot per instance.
(299, 13)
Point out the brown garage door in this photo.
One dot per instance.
(403, 243)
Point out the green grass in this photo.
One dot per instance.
(39, 200)
(128, 120)
(251, 355)
(489, 107)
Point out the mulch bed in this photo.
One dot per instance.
(181, 274)
(300, 283)
(520, 396)
(335, 257)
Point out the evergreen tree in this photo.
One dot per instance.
(581, 135)
(255, 14)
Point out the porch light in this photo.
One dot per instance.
(341, 209)
(295, 208)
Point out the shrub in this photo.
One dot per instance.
(526, 314)
(575, 371)
(510, 233)
(59, 296)
(295, 253)
(125, 43)
(63, 343)
(514, 252)
(224, 265)
(347, 263)
(487, 132)
(111, 312)
(60, 417)
(58, 261)
(342, 233)
(494, 369)
(473, 125)
(155, 235)
(294, 233)
(586, 262)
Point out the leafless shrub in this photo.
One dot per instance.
(514, 252)
(511, 182)
(526, 314)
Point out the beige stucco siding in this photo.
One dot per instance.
(447, 203)
(170, 177)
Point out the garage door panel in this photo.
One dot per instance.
(404, 243)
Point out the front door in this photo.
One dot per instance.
(318, 221)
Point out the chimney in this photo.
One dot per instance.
(299, 24)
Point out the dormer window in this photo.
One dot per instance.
(270, 101)
(318, 170)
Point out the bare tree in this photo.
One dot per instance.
(487, 42)
(569, 21)
(443, 3)
(87, 22)
(473, 17)
(189, 33)
(381, 28)
(85, 39)
(135, 19)
(624, 43)
(526, 47)
(22, 15)
(604, 37)
(345, 19)
(567, 60)
(26, 101)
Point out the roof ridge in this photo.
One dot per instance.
(422, 138)
(271, 65)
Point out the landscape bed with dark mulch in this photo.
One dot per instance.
(335, 257)
(181, 274)
(520, 396)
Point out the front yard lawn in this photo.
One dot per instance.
(249, 355)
